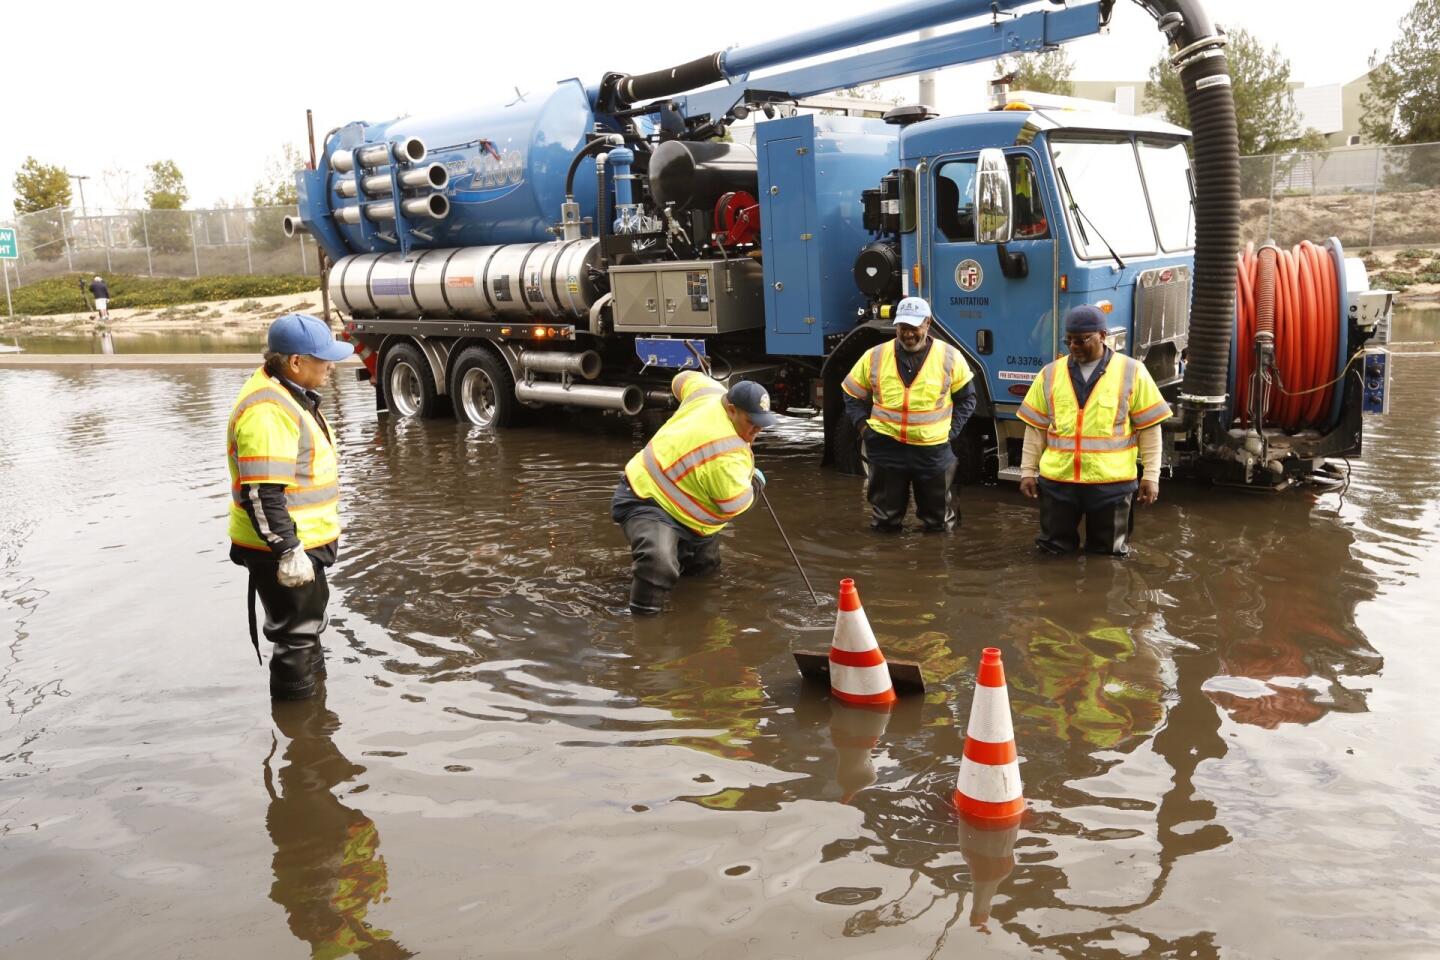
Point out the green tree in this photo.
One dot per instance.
(1047, 72)
(1265, 112)
(169, 228)
(1403, 102)
(40, 186)
(166, 190)
(274, 196)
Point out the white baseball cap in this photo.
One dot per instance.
(912, 311)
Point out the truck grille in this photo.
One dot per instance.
(1162, 320)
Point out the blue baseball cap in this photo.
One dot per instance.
(303, 334)
(912, 311)
(1085, 319)
(749, 396)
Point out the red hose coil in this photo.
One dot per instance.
(1306, 335)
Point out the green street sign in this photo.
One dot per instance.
(9, 249)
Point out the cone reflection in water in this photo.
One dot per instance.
(858, 674)
(989, 852)
(855, 732)
(988, 787)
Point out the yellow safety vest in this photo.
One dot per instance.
(696, 467)
(920, 413)
(1096, 444)
(273, 439)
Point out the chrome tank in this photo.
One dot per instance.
(517, 281)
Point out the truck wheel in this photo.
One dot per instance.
(482, 388)
(408, 386)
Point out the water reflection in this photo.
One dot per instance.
(328, 869)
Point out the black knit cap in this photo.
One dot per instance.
(1085, 319)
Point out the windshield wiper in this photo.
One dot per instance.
(1080, 215)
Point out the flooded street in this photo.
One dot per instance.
(1228, 742)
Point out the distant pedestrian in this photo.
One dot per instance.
(285, 497)
(1087, 417)
(101, 292)
(909, 398)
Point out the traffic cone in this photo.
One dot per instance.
(989, 784)
(855, 733)
(858, 673)
(989, 852)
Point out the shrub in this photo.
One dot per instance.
(62, 294)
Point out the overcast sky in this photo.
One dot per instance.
(220, 88)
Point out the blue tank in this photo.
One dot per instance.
(506, 165)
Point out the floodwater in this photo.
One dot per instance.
(1229, 741)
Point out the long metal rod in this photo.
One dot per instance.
(793, 556)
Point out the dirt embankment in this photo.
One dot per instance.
(251, 316)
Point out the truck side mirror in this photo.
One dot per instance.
(994, 217)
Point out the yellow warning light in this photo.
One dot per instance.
(1105, 306)
(915, 275)
(1064, 282)
(539, 331)
(1018, 105)
(504, 331)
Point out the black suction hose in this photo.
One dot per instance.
(1205, 76)
(594, 146)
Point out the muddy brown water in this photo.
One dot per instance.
(1229, 741)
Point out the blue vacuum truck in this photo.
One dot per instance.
(580, 246)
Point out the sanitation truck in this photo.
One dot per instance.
(581, 246)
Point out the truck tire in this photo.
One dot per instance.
(409, 388)
(482, 389)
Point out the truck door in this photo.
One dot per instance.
(1004, 321)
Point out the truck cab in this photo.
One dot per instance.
(1011, 217)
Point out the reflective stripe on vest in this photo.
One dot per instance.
(311, 479)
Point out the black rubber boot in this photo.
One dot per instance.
(655, 546)
(935, 501)
(889, 494)
(1059, 525)
(294, 618)
(1108, 528)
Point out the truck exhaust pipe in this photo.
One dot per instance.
(406, 152)
(586, 364)
(294, 225)
(433, 176)
(433, 207)
(629, 400)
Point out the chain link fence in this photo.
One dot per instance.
(1365, 196)
(160, 243)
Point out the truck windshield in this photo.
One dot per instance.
(1103, 180)
(1167, 179)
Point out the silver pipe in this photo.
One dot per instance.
(294, 225)
(433, 207)
(433, 176)
(585, 364)
(407, 152)
(628, 399)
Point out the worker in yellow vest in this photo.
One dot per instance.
(1087, 417)
(285, 497)
(909, 398)
(694, 476)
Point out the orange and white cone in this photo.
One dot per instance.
(989, 784)
(855, 733)
(989, 852)
(858, 673)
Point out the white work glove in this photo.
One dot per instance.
(296, 570)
